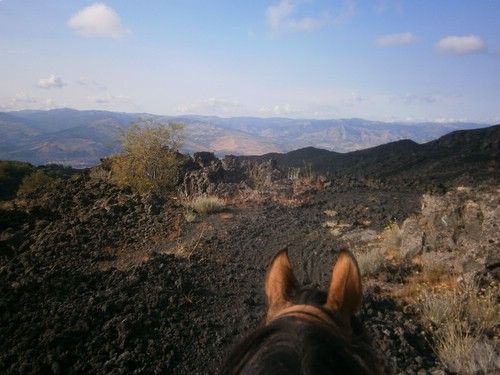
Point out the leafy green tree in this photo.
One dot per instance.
(149, 159)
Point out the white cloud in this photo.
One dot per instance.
(420, 99)
(281, 16)
(213, 106)
(277, 14)
(385, 6)
(91, 84)
(424, 99)
(461, 45)
(52, 82)
(110, 99)
(23, 98)
(98, 20)
(396, 39)
(276, 110)
(50, 103)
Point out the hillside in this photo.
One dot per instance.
(81, 138)
(95, 278)
(465, 155)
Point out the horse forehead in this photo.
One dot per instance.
(306, 310)
(314, 315)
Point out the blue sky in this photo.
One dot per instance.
(380, 60)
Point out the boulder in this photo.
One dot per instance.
(412, 238)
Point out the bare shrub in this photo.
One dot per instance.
(207, 205)
(370, 261)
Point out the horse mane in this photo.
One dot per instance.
(291, 345)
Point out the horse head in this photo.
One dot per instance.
(307, 331)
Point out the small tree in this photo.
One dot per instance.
(148, 162)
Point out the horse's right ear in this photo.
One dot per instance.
(345, 292)
(280, 284)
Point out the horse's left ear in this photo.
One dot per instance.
(280, 284)
(345, 292)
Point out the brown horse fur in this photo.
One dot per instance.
(307, 331)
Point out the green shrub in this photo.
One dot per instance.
(35, 181)
(149, 161)
(11, 176)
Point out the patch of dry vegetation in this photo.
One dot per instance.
(462, 318)
(390, 240)
(439, 307)
(465, 353)
(377, 255)
(207, 205)
(190, 216)
(370, 261)
(463, 321)
(434, 275)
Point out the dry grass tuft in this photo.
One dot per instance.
(464, 352)
(207, 205)
(435, 276)
(190, 216)
(442, 307)
(481, 309)
(460, 318)
(370, 261)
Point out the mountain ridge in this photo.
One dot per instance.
(465, 154)
(41, 137)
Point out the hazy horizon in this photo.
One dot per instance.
(192, 115)
(386, 60)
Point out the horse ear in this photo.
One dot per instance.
(345, 292)
(280, 284)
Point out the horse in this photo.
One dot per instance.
(307, 331)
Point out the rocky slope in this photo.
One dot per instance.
(98, 279)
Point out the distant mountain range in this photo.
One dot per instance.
(81, 138)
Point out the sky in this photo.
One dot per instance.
(386, 60)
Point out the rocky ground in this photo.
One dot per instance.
(97, 279)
